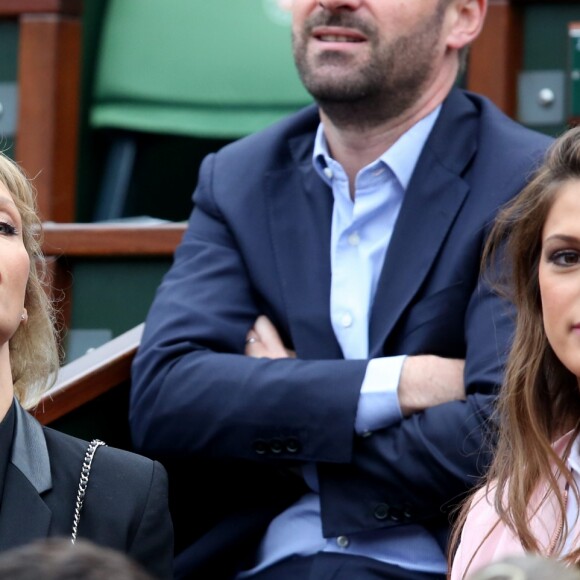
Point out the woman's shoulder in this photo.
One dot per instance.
(67, 454)
(126, 502)
(484, 536)
(482, 503)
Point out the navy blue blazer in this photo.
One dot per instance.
(258, 242)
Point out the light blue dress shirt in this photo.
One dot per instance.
(360, 235)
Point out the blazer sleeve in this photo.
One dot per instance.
(152, 544)
(194, 392)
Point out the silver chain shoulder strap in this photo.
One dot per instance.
(83, 483)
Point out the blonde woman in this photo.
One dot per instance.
(125, 502)
(530, 502)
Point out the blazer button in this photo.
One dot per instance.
(276, 446)
(396, 515)
(292, 445)
(259, 446)
(381, 511)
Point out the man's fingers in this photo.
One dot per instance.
(263, 340)
(255, 348)
(267, 332)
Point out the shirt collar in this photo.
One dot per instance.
(401, 157)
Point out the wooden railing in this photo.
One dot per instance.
(102, 369)
(90, 376)
(111, 240)
(63, 243)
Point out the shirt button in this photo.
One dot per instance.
(346, 321)
(328, 172)
(354, 239)
(379, 171)
(342, 541)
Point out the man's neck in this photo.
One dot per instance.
(354, 148)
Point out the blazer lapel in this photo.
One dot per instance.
(300, 212)
(433, 198)
(23, 514)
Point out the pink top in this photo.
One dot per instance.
(485, 539)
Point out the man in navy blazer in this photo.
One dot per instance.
(324, 340)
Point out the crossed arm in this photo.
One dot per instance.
(426, 380)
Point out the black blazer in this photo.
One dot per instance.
(258, 242)
(125, 505)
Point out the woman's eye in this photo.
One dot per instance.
(565, 258)
(7, 229)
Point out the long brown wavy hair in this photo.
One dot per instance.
(34, 358)
(540, 397)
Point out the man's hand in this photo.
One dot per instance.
(263, 341)
(429, 380)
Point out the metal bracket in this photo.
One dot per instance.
(8, 109)
(541, 97)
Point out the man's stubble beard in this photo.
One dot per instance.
(388, 84)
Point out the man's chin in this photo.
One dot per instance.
(337, 89)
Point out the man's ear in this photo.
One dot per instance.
(465, 18)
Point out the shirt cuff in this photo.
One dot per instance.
(378, 405)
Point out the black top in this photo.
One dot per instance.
(6, 438)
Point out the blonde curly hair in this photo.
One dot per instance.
(34, 355)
